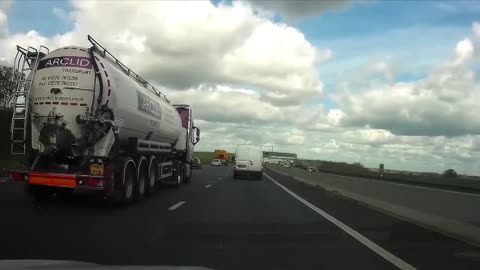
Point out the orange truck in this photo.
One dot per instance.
(222, 155)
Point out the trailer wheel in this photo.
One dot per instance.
(141, 181)
(152, 175)
(124, 180)
(187, 172)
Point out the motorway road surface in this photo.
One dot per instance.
(222, 223)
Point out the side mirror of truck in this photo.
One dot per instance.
(197, 136)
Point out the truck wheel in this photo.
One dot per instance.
(141, 181)
(188, 171)
(124, 181)
(260, 177)
(152, 175)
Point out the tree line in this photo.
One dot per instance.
(7, 87)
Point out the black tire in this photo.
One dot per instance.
(141, 181)
(187, 176)
(235, 176)
(260, 177)
(152, 175)
(124, 181)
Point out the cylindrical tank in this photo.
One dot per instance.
(65, 86)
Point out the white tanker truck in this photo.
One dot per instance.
(84, 120)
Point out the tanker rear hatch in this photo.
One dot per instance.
(62, 89)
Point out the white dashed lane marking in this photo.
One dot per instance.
(175, 206)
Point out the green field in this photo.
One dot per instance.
(205, 157)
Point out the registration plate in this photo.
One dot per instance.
(96, 169)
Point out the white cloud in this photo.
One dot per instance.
(3, 25)
(368, 136)
(62, 14)
(299, 9)
(5, 5)
(445, 103)
(463, 51)
(224, 104)
(183, 44)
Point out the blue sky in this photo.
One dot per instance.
(415, 36)
(38, 15)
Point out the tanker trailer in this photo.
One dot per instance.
(85, 121)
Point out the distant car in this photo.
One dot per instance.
(216, 162)
(312, 169)
(196, 163)
(224, 162)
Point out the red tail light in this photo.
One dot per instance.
(93, 182)
(90, 182)
(17, 176)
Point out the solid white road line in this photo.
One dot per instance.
(207, 186)
(362, 239)
(175, 206)
(406, 185)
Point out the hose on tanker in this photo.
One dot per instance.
(96, 69)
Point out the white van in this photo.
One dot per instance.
(248, 161)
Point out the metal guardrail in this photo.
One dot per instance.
(454, 184)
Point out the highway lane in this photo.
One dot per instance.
(221, 223)
(450, 211)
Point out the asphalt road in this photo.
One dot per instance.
(222, 223)
(455, 212)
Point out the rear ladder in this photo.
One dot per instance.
(24, 67)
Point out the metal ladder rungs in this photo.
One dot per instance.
(25, 64)
(25, 80)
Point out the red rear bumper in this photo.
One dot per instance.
(72, 181)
